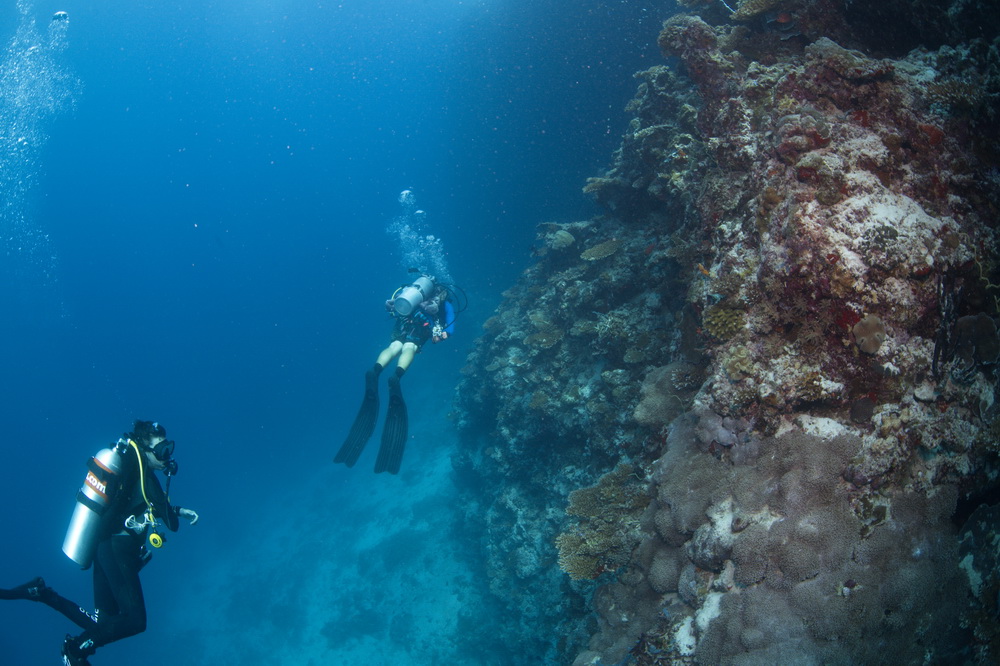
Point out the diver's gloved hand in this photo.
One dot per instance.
(189, 514)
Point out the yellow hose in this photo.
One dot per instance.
(149, 505)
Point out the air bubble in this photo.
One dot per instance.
(418, 249)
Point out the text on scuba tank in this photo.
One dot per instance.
(99, 486)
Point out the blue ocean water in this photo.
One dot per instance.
(194, 230)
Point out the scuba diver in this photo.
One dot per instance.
(424, 310)
(116, 520)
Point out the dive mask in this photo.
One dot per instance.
(164, 452)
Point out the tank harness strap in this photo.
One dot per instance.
(99, 470)
(89, 503)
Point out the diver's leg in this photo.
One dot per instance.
(72, 611)
(389, 353)
(104, 596)
(408, 351)
(37, 590)
(121, 608)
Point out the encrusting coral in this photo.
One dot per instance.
(784, 323)
(609, 524)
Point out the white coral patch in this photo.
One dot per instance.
(820, 426)
(874, 207)
(684, 639)
(710, 609)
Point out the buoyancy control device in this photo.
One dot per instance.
(92, 501)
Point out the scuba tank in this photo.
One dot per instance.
(407, 299)
(92, 500)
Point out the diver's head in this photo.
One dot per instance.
(431, 306)
(151, 437)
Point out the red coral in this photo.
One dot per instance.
(861, 117)
(818, 140)
(845, 317)
(935, 135)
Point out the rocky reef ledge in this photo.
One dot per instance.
(748, 414)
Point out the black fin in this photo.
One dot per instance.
(394, 434)
(364, 424)
(31, 590)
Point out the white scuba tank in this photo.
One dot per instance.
(91, 502)
(411, 296)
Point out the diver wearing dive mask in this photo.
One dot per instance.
(163, 452)
(129, 525)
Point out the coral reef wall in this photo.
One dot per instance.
(750, 408)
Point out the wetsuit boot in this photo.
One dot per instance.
(76, 649)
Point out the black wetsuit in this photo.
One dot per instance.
(120, 608)
(416, 328)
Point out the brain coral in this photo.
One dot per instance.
(807, 578)
(560, 239)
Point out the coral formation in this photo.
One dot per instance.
(723, 322)
(667, 392)
(869, 334)
(608, 529)
(786, 321)
(560, 239)
(601, 250)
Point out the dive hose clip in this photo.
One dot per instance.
(141, 526)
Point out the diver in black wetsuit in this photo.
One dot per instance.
(137, 503)
(424, 312)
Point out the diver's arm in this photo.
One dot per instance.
(190, 514)
(444, 326)
(449, 318)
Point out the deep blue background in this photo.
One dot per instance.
(217, 203)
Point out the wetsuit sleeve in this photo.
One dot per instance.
(449, 318)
